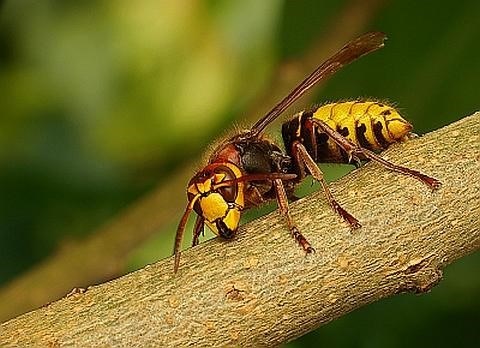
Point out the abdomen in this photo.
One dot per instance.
(369, 124)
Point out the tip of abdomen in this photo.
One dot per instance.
(399, 128)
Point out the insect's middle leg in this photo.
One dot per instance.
(284, 210)
(305, 160)
(353, 150)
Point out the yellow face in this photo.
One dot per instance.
(220, 201)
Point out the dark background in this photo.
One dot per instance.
(102, 100)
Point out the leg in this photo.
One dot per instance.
(283, 207)
(433, 183)
(199, 222)
(303, 158)
(253, 196)
(354, 151)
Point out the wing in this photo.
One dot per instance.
(354, 49)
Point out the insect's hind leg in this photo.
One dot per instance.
(433, 183)
(353, 150)
(285, 211)
(305, 160)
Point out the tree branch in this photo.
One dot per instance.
(101, 256)
(260, 289)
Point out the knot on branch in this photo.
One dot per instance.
(423, 280)
(419, 275)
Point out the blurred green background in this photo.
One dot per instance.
(102, 100)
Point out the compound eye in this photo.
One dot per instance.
(229, 193)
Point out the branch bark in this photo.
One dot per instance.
(260, 289)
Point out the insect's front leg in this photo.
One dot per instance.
(198, 229)
(285, 211)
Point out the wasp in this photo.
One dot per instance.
(248, 169)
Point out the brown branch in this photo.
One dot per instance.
(102, 255)
(260, 289)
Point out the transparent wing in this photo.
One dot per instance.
(354, 49)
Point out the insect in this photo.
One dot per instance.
(248, 169)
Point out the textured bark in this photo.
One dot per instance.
(260, 289)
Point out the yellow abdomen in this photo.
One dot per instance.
(370, 124)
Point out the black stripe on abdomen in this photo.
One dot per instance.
(377, 132)
(360, 130)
